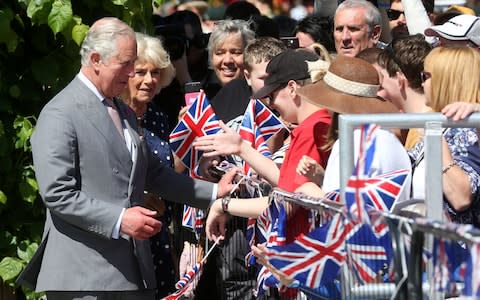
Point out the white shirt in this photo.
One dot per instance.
(390, 155)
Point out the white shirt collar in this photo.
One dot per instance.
(90, 85)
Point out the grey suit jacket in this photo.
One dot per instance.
(86, 177)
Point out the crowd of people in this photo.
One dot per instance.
(114, 190)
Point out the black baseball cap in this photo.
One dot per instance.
(288, 65)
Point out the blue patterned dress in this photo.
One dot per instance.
(156, 131)
(463, 144)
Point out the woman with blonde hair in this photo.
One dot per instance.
(457, 72)
(451, 74)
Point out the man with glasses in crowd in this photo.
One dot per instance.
(397, 20)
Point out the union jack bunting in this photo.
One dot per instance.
(366, 254)
(379, 193)
(313, 259)
(270, 230)
(472, 274)
(366, 150)
(356, 208)
(265, 280)
(363, 191)
(448, 257)
(258, 125)
(199, 120)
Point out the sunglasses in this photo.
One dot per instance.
(424, 76)
(394, 14)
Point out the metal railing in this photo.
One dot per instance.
(433, 123)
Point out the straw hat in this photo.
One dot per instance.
(349, 87)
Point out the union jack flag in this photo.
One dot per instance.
(182, 284)
(379, 193)
(366, 254)
(368, 243)
(364, 192)
(472, 274)
(313, 259)
(270, 230)
(199, 120)
(258, 125)
(193, 219)
(188, 277)
(356, 208)
(176, 295)
(443, 272)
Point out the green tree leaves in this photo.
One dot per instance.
(39, 55)
(24, 130)
(60, 16)
(10, 268)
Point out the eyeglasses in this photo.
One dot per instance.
(270, 98)
(394, 14)
(424, 76)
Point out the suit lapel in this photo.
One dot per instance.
(96, 114)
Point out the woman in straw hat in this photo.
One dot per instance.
(350, 87)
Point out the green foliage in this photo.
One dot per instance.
(39, 46)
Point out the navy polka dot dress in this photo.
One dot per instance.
(156, 131)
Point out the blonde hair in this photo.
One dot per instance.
(455, 76)
(150, 50)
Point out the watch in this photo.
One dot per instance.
(225, 202)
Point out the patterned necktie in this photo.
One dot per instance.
(113, 112)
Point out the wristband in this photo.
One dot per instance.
(225, 202)
(448, 167)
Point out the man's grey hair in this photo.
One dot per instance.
(372, 14)
(226, 27)
(102, 37)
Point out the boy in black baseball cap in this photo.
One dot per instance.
(289, 65)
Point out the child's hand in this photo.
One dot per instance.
(311, 169)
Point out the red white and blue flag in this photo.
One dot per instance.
(199, 120)
(472, 274)
(193, 219)
(443, 278)
(364, 192)
(356, 208)
(184, 282)
(189, 276)
(378, 193)
(313, 259)
(270, 230)
(258, 125)
(366, 254)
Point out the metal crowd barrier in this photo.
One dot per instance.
(433, 124)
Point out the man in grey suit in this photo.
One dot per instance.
(92, 169)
